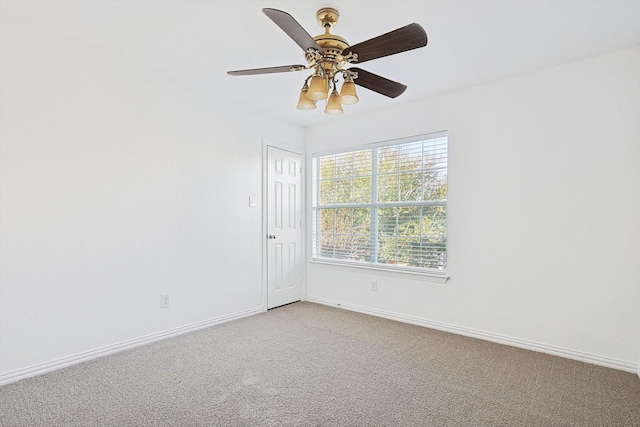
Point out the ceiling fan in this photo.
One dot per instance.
(328, 54)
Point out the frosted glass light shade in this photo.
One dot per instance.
(317, 89)
(348, 94)
(333, 105)
(304, 102)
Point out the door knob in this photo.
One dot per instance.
(271, 236)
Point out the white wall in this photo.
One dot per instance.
(544, 212)
(119, 184)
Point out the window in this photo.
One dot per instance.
(384, 206)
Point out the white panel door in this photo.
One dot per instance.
(284, 231)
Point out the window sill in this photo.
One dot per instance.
(428, 276)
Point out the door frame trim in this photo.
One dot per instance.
(266, 143)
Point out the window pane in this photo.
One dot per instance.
(362, 163)
(342, 223)
(362, 190)
(397, 227)
(361, 221)
(434, 237)
(342, 246)
(327, 192)
(409, 252)
(412, 236)
(345, 233)
(388, 159)
(326, 221)
(435, 153)
(408, 220)
(344, 178)
(344, 165)
(326, 246)
(434, 222)
(343, 190)
(410, 157)
(388, 188)
(327, 167)
(361, 250)
(387, 233)
(410, 186)
(435, 185)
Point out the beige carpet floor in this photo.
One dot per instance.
(311, 365)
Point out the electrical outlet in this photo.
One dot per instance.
(164, 301)
(374, 285)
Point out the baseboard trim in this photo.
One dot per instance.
(74, 359)
(488, 336)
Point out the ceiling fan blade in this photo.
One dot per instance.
(405, 38)
(293, 29)
(268, 70)
(378, 83)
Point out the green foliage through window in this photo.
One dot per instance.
(385, 205)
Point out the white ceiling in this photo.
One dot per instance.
(470, 42)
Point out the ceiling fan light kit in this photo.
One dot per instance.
(348, 95)
(318, 87)
(327, 55)
(304, 102)
(333, 105)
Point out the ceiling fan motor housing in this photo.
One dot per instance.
(332, 44)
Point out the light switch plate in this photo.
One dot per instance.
(252, 202)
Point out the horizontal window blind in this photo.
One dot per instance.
(384, 205)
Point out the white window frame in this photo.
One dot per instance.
(431, 274)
